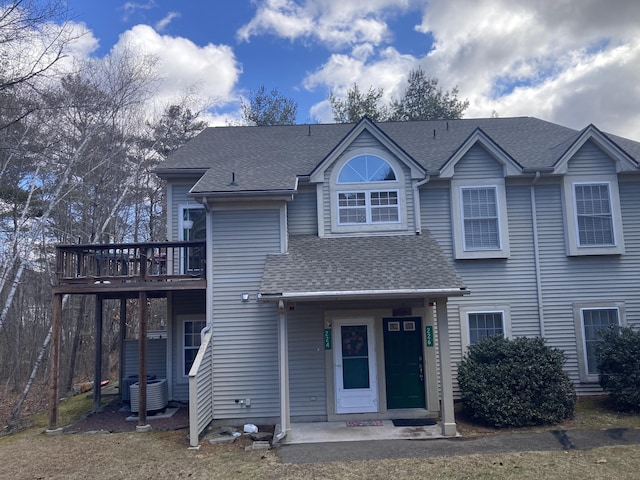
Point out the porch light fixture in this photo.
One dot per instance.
(188, 223)
(244, 297)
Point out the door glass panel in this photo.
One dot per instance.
(355, 357)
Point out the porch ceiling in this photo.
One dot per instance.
(360, 267)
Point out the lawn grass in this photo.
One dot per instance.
(591, 413)
(164, 455)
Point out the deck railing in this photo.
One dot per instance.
(122, 262)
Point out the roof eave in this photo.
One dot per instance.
(247, 195)
(179, 172)
(365, 294)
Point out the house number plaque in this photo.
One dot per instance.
(429, 335)
(327, 339)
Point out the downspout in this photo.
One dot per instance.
(416, 202)
(283, 360)
(208, 265)
(536, 252)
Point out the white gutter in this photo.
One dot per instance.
(416, 203)
(417, 292)
(536, 253)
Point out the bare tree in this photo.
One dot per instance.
(34, 36)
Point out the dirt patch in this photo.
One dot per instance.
(113, 419)
(36, 401)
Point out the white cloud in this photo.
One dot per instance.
(163, 23)
(338, 24)
(212, 71)
(130, 8)
(570, 62)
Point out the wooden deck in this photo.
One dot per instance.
(126, 269)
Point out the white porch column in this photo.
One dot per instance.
(283, 361)
(446, 383)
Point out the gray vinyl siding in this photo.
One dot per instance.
(245, 335)
(307, 387)
(194, 305)
(569, 281)
(435, 208)
(156, 357)
(505, 282)
(589, 159)
(477, 163)
(302, 212)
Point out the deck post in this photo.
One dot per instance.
(142, 364)
(97, 359)
(123, 337)
(56, 337)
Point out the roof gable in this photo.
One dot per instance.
(317, 175)
(623, 161)
(479, 137)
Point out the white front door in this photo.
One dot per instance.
(356, 381)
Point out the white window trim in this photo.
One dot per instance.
(461, 253)
(182, 320)
(505, 310)
(578, 308)
(397, 185)
(571, 220)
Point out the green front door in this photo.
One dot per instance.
(403, 358)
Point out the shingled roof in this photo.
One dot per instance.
(272, 158)
(402, 265)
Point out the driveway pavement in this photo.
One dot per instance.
(507, 443)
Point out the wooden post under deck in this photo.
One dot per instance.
(123, 337)
(97, 366)
(56, 337)
(142, 362)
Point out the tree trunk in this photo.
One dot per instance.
(12, 292)
(15, 413)
(75, 344)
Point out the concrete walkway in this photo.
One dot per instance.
(560, 440)
(329, 432)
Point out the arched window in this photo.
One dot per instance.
(365, 195)
(366, 169)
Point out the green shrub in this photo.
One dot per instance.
(515, 383)
(619, 366)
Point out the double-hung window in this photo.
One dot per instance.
(484, 324)
(591, 321)
(594, 224)
(481, 223)
(487, 321)
(480, 226)
(190, 343)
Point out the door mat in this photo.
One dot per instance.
(364, 423)
(414, 422)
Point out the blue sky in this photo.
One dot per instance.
(572, 62)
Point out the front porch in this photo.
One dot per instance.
(139, 271)
(328, 432)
